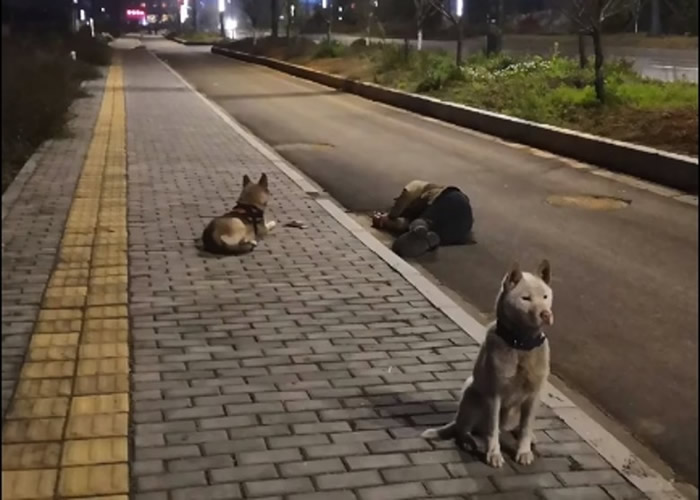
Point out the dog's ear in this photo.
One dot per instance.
(513, 278)
(545, 271)
(246, 180)
(263, 181)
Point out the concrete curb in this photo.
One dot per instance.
(182, 41)
(668, 169)
(620, 458)
(9, 197)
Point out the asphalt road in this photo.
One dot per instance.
(626, 281)
(658, 64)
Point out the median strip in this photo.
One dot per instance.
(668, 169)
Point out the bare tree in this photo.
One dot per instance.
(655, 28)
(290, 12)
(636, 12)
(589, 16)
(423, 9)
(455, 20)
(274, 18)
(250, 7)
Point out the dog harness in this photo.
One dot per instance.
(247, 213)
(527, 343)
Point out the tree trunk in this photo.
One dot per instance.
(289, 19)
(274, 19)
(194, 14)
(329, 21)
(419, 43)
(582, 59)
(221, 25)
(655, 29)
(458, 59)
(599, 83)
(368, 38)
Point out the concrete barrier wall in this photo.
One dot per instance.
(186, 42)
(672, 170)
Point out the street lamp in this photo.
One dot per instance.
(183, 12)
(460, 8)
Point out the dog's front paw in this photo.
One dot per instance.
(524, 457)
(494, 458)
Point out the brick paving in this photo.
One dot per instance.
(303, 371)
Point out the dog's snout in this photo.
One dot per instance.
(547, 317)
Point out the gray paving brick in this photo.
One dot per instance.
(204, 463)
(623, 492)
(243, 473)
(234, 446)
(335, 450)
(460, 486)
(393, 492)
(229, 491)
(590, 477)
(348, 480)
(524, 481)
(279, 486)
(171, 481)
(577, 493)
(337, 495)
(415, 473)
(263, 457)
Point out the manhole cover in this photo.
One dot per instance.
(304, 146)
(587, 202)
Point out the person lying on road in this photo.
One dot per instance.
(425, 216)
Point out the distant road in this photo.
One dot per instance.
(659, 64)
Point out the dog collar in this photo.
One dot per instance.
(518, 341)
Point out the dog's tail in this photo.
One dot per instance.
(447, 431)
(219, 246)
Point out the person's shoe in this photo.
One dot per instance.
(416, 242)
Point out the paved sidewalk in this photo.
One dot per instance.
(305, 370)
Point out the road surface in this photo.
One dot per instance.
(626, 281)
(659, 64)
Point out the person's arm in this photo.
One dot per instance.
(398, 225)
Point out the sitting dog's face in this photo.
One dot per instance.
(527, 298)
(256, 194)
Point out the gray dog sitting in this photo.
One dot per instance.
(426, 216)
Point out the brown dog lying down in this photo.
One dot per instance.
(425, 216)
(236, 232)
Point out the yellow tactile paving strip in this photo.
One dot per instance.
(66, 432)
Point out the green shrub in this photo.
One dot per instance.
(90, 50)
(330, 49)
(437, 71)
(39, 82)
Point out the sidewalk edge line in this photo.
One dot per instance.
(632, 468)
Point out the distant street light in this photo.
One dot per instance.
(460, 8)
(183, 11)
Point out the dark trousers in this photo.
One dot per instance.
(451, 217)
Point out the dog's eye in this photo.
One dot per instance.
(545, 297)
(527, 299)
